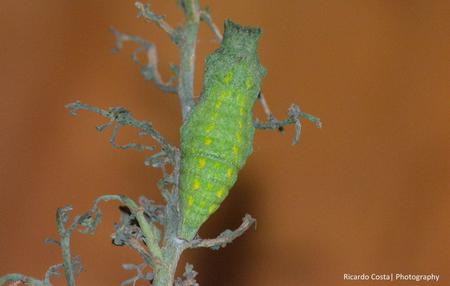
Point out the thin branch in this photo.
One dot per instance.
(149, 70)
(120, 117)
(225, 237)
(92, 218)
(65, 234)
(140, 275)
(205, 16)
(265, 106)
(135, 146)
(187, 46)
(21, 278)
(188, 278)
(168, 153)
(136, 245)
(145, 11)
(149, 230)
(172, 214)
(123, 117)
(52, 271)
(294, 115)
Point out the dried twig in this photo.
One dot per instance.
(14, 277)
(145, 11)
(149, 70)
(140, 275)
(188, 277)
(52, 271)
(123, 117)
(188, 45)
(64, 242)
(150, 232)
(225, 237)
(294, 115)
(265, 106)
(205, 16)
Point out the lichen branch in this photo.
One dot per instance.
(265, 106)
(64, 243)
(150, 232)
(205, 16)
(140, 274)
(187, 45)
(136, 245)
(188, 277)
(149, 70)
(145, 12)
(135, 146)
(169, 154)
(52, 271)
(225, 237)
(294, 115)
(123, 117)
(17, 277)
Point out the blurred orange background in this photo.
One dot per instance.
(368, 193)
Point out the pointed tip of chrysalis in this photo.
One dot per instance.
(240, 37)
(234, 28)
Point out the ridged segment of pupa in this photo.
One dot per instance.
(217, 138)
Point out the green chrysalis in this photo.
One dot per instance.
(217, 138)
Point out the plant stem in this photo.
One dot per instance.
(165, 272)
(171, 252)
(21, 278)
(188, 43)
(65, 247)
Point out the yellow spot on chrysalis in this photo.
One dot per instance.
(228, 77)
(235, 150)
(201, 163)
(218, 104)
(209, 127)
(190, 201)
(219, 193)
(208, 141)
(212, 209)
(229, 172)
(196, 184)
(241, 111)
(238, 137)
(209, 186)
(248, 83)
